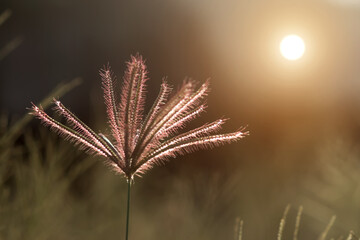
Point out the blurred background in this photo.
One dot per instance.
(303, 117)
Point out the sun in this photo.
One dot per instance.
(292, 47)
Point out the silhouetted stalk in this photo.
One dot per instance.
(128, 210)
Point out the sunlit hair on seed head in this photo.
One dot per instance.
(137, 142)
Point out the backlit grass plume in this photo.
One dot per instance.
(138, 142)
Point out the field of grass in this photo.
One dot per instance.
(294, 189)
(49, 190)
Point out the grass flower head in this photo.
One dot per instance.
(138, 142)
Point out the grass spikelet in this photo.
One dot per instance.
(352, 236)
(238, 229)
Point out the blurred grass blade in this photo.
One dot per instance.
(13, 133)
(9, 47)
(5, 15)
(282, 222)
(327, 229)
(13, 44)
(297, 223)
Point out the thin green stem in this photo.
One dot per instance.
(128, 210)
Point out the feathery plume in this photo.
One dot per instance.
(138, 142)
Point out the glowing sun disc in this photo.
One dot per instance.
(292, 47)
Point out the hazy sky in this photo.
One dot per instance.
(235, 43)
